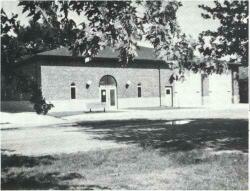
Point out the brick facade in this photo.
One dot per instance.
(56, 80)
(56, 74)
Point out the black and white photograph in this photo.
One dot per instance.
(124, 95)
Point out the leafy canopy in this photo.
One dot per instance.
(231, 37)
(117, 24)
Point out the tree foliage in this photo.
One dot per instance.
(10, 48)
(19, 41)
(117, 24)
(231, 37)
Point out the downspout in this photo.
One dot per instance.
(232, 86)
(117, 97)
(202, 89)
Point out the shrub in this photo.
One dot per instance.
(40, 104)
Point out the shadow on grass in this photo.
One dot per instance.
(25, 181)
(14, 177)
(220, 134)
(8, 129)
(43, 181)
(8, 161)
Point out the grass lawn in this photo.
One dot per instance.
(199, 154)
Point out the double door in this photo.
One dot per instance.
(108, 96)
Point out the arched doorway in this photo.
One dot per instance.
(108, 91)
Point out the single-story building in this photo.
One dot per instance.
(72, 84)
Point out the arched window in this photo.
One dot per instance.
(139, 89)
(73, 90)
(107, 81)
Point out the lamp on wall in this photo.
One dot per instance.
(88, 83)
(128, 84)
(182, 78)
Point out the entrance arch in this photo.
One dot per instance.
(108, 91)
(107, 80)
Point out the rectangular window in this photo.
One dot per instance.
(103, 96)
(167, 91)
(73, 93)
(139, 91)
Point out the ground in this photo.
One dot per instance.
(131, 149)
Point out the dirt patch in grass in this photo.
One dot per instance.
(133, 168)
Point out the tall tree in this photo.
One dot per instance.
(231, 37)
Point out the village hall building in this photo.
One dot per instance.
(72, 84)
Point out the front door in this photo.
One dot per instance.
(168, 96)
(108, 96)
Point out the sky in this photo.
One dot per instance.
(190, 20)
(188, 16)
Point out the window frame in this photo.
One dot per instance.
(72, 86)
(139, 93)
(168, 91)
(103, 96)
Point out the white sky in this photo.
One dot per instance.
(189, 16)
(190, 20)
